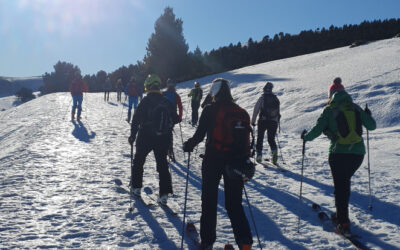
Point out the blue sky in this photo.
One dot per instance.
(106, 34)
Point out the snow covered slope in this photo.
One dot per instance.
(60, 181)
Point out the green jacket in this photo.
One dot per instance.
(327, 123)
(196, 94)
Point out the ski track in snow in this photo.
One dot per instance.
(61, 181)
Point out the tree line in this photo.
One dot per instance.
(168, 55)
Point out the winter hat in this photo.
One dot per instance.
(337, 80)
(220, 89)
(335, 86)
(152, 82)
(268, 87)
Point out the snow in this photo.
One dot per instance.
(59, 179)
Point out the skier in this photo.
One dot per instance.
(131, 91)
(76, 88)
(335, 87)
(175, 99)
(107, 88)
(268, 106)
(342, 122)
(120, 88)
(218, 156)
(196, 94)
(153, 134)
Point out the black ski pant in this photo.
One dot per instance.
(343, 167)
(271, 127)
(212, 171)
(195, 112)
(106, 95)
(159, 145)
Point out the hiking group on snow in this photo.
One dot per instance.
(229, 144)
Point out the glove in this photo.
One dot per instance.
(303, 134)
(366, 110)
(253, 124)
(188, 146)
(131, 139)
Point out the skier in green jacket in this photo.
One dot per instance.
(342, 122)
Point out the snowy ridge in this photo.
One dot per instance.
(58, 185)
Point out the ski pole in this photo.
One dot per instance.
(122, 111)
(130, 182)
(369, 171)
(301, 185)
(184, 207)
(280, 150)
(252, 217)
(180, 128)
(187, 108)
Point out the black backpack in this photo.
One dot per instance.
(270, 107)
(161, 118)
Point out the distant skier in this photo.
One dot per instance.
(76, 88)
(342, 122)
(107, 88)
(226, 151)
(335, 87)
(268, 108)
(152, 122)
(196, 94)
(175, 99)
(131, 90)
(119, 87)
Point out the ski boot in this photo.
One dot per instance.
(274, 157)
(343, 229)
(163, 199)
(259, 157)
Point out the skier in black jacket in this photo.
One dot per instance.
(213, 168)
(268, 106)
(148, 140)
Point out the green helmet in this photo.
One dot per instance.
(152, 82)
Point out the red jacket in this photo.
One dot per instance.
(77, 87)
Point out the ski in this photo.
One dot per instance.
(330, 226)
(171, 207)
(268, 164)
(192, 234)
(144, 200)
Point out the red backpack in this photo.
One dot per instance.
(232, 130)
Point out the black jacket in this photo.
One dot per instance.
(142, 117)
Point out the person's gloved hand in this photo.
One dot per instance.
(131, 139)
(188, 146)
(303, 134)
(366, 110)
(253, 124)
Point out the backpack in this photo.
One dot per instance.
(270, 107)
(161, 118)
(76, 88)
(171, 96)
(232, 130)
(349, 124)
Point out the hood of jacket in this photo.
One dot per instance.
(339, 98)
